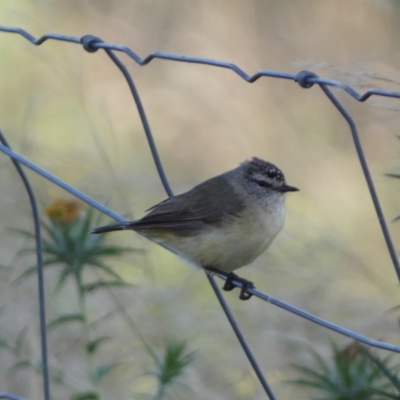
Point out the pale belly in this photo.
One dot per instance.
(237, 244)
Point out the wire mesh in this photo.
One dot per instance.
(10, 396)
(305, 79)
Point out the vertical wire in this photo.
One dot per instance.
(168, 189)
(241, 338)
(368, 178)
(39, 256)
(144, 120)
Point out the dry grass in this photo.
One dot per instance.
(72, 113)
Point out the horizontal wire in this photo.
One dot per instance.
(313, 318)
(99, 44)
(84, 197)
(10, 396)
(305, 80)
(87, 199)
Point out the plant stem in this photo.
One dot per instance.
(160, 392)
(86, 324)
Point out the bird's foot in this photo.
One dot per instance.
(244, 295)
(228, 286)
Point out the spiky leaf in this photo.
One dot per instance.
(66, 318)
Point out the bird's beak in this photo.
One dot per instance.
(286, 188)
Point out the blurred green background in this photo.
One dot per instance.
(71, 112)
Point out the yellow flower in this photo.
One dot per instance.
(64, 210)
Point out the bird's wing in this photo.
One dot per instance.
(207, 204)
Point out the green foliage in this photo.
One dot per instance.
(171, 367)
(94, 345)
(352, 373)
(86, 396)
(23, 362)
(65, 318)
(105, 369)
(391, 373)
(69, 247)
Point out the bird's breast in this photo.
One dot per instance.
(232, 244)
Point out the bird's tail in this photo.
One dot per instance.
(109, 228)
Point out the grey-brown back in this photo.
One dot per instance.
(188, 213)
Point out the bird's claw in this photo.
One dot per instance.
(228, 286)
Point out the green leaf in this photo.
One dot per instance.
(105, 268)
(62, 278)
(117, 250)
(321, 380)
(105, 369)
(90, 287)
(19, 365)
(4, 344)
(86, 396)
(386, 394)
(176, 358)
(26, 251)
(20, 340)
(51, 230)
(66, 318)
(32, 270)
(383, 367)
(22, 232)
(395, 308)
(349, 375)
(58, 376)
(92, 346)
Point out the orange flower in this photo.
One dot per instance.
(64, 210)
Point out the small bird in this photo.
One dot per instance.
(222, 224)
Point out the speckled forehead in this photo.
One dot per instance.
(258, 168)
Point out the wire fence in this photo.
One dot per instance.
(305, 79)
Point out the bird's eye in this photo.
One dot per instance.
(264, 184)
(273, 173)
